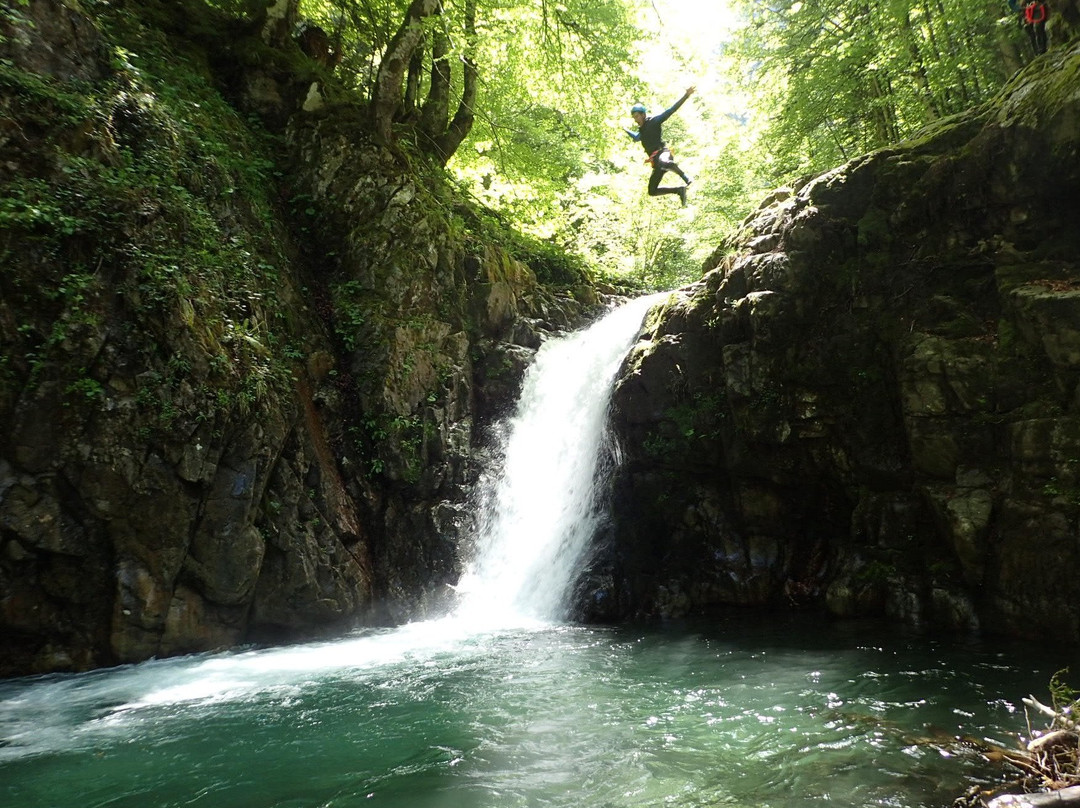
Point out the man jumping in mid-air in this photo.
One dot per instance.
(649, 133)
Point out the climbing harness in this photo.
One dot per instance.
(661, 158)
(1034, 13)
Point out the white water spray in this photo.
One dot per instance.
(541, 510)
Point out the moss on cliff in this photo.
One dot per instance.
(235, 379)
(144, 198)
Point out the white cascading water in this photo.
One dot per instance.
(541, 514)
(540, 509)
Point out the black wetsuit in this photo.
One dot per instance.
(1035, 24)
(650, 135)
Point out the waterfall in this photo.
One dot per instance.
(540, 508)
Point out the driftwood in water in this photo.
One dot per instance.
(1050, 762)
(1062, 717)
(1047, 799)
(1049, 765)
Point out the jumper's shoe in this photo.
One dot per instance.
(682, 196)
(688, 181)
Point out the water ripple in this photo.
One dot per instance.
(558, 716)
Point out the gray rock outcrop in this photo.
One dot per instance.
(871, 402)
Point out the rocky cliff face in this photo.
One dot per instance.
(241, 347)
(248, 356)
(871, 402)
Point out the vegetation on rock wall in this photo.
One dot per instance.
(236, 379)
(144, 195)
(251, 339)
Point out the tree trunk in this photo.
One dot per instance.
(440, 139)
(463, 119)
(437, 105)
(882, 104)
(886, 129)
(1011, 55)
(1063, 26)
(412, 84)
(918, 67)
(942, 95)
(955, 58)
(388, 83)
(279, 19)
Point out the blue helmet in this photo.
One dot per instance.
(638, 108)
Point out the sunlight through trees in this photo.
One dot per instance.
(542, 91)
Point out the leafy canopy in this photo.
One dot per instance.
(786, 88)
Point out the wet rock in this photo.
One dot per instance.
(874, 400)
(255, 416)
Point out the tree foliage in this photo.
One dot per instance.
(524, 100)
(837, 78)
(518, 70)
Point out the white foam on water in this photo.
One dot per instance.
(540, 514)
